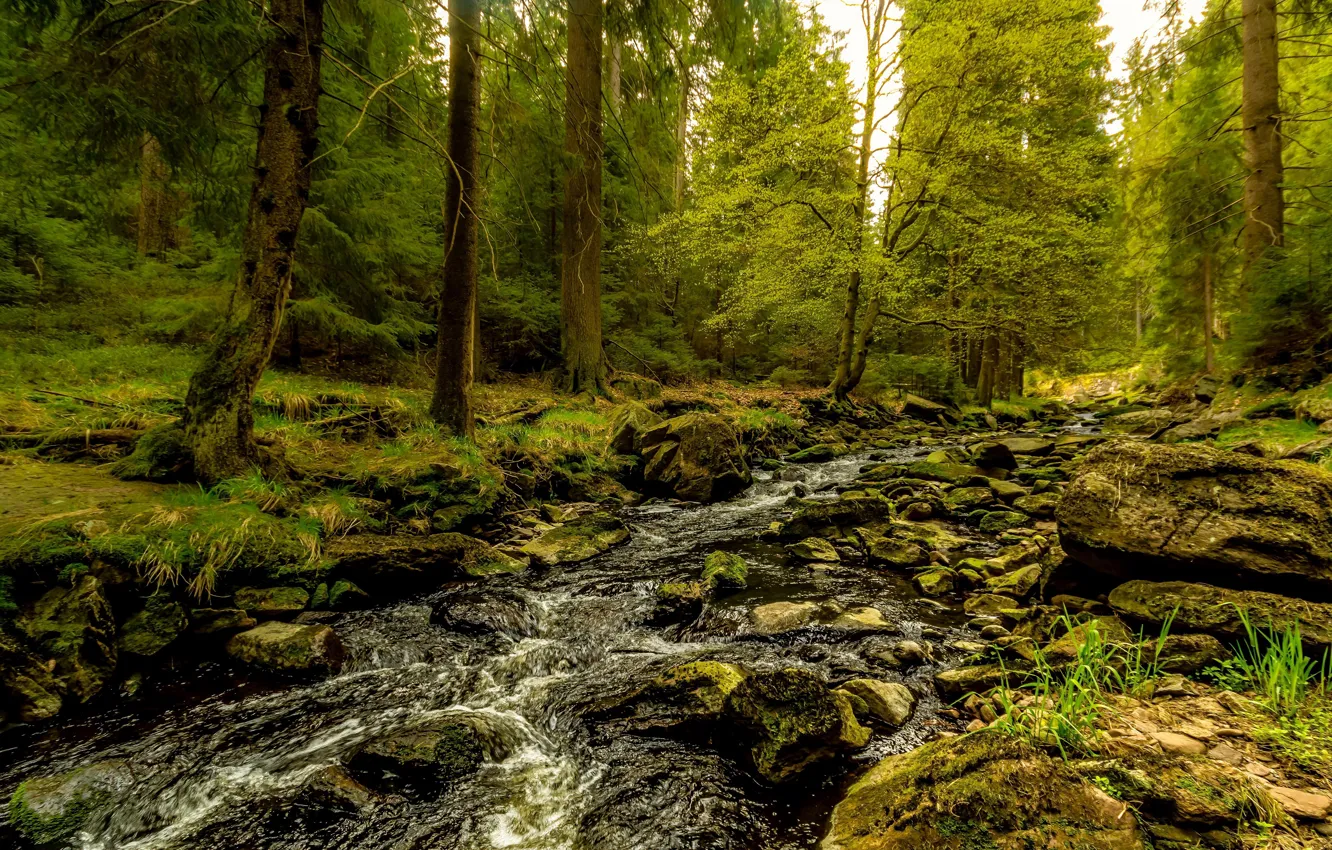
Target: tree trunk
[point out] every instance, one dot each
(866, 339)
(847, 375)
(219, 416)
(988, 362)
(1137, 313)
(975, 351)
(1261, 114)
(1003, 370)
(451, 405)
(155, 206)
(614, 85)
(1209, 315)
(580, 303)
(681, 137)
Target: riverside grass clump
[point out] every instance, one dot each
(1292, 706)
(1059, 702)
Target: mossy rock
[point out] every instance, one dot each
(814, 549)
(346, 596)
(629, 422)
(1041, 505)
(1020, 583)
(679, 601)
(289, 648)
(1218, 611)
(966, 499)
(725, 571)
(997, 522)
(391, 567)
(978, 679)
(983, 791)
(793, 721)
(836, 518)
(50, 809)
(264, 602)
(153, 628)
(892, 552)
(820, 453)
(419, 757)
(688, 698)
(577, 540)
(935, 582)
(1190, 512)
(75, 627)
(696, 457)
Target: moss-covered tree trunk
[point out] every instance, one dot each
(451, 406)
(219, 416)
(580, 275)
(1261, 115)
(156, 211)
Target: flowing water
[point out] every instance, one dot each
(201, 768)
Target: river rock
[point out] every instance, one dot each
(1194, 512)
(289, 648)
(344, 595)
(1138, 423)
(814, 549)
(678, 602)
(1019, 584)
(397, 566)
(891, 552)
(419, 756)
(697, 457)
(1208, 425)
(485, 611)
(577, 540)
(978, 791)
(964, 500)
(836, 518)
(1039, 505)
(890, 702)
(820, 453)
(724, 571)
(929, 411)
(936, 582)
(27, 686)
(793, 721)
(75, 627)
(49, 810)
(212, 621)
(1216, 610)
(1186, 654)
(1035, 446)
(629, 422)
(997, 522)
(691, 694)
(777, 617)
(993, 455)
(268, 602)
(153, 627)
(960, 681)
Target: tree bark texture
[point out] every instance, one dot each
(451, 405)
(988, 364)
(580, 276)
(157, 207)
(219, 417)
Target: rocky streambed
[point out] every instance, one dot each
(685, 675)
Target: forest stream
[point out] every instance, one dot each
(199, 768)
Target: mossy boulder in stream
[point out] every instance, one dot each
(420, 756)
(725, 571)
(577, 540)
(1138, 510)
(47, 810)
(267, 602)
(983, 791)
(687, 698)
(793, 721)
(696, 457)
(289, 648)
(397, 566)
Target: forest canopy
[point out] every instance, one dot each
(680, 190)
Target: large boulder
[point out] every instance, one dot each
(691, 695)
(1187, 511)
(629, 423)
(978, 791)
(1037, 446)
(930, 411)
(577, 540)
(74, 626)
(793, 721)
(289, 648)
(1218, 611)
(27, 686)
(696, 456)
(388, 567)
